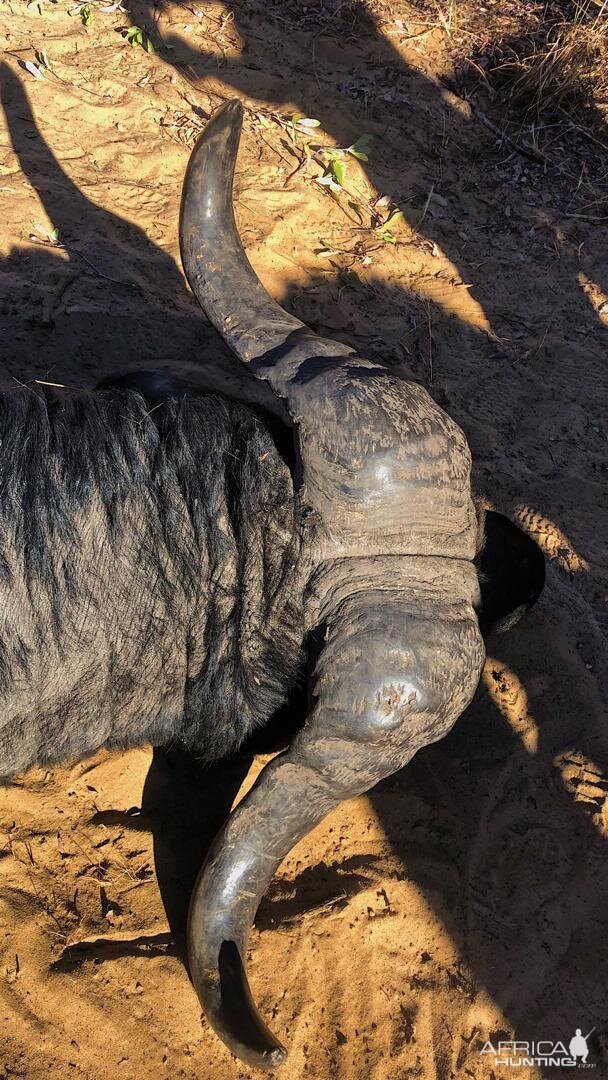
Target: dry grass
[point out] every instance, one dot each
(561, 67)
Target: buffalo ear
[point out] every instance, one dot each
(511, 572)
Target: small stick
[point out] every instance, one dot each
(430, 330)
(99, 273)
(521, 148)
(584, 131)
(426, 205)
(327, 906)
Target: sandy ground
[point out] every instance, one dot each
(465, 899)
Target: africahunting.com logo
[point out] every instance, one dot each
(519, 1053)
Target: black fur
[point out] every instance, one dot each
(152, 556)
(152, 572)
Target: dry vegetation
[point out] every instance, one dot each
(541, 67)
(561, 67)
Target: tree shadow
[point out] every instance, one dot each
(427, 141)
(104, 298)
(346, 72)
(531, 936)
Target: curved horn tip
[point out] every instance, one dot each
(270, 1059)
(233, 1014)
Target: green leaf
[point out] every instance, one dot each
(47, 234)
(43, 59)
(349, 277)
(86, 14)
(395, 215)
(383, 234)
(384, 230)
(135, 36)
(338, 171)
(360, 148)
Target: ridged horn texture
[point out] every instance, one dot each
(387, 679)
(387, 473)
(272, 343)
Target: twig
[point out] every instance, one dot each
(25, 386)
(520, 147)
(515, 144)
(327, 906)
(82, 89)
(409, 37)
(584, 131)
(587, 217)
(426, 205)
(66, 82)
(539, 347)
(99, 273)
(478, 69)
(294, 172)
